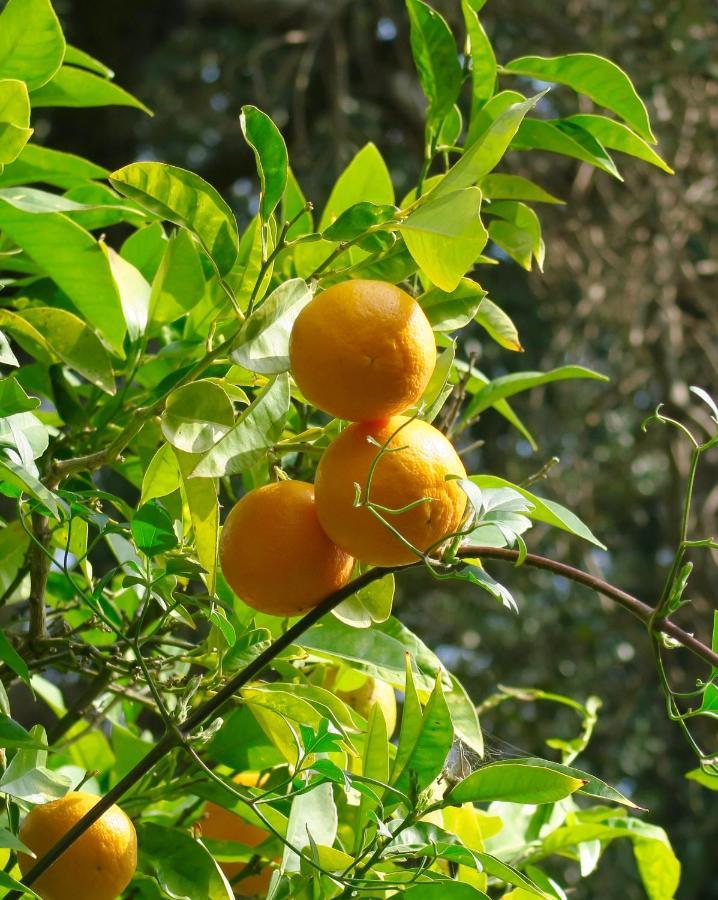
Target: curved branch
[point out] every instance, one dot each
(214, 705)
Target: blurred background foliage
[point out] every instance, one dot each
(629, 288)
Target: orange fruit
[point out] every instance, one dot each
(275, 554)
(417, 467)
(98, 866)
(370, 693)
(220, 824)
(362, 350)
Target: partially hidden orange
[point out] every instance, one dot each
(97, 866)
(220, 824)
(416, 467)
(362, 350)
(275, 554)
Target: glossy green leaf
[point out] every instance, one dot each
(436, 57)
(617, 136)
(412, 717)
(31, 42)
(162, 475)
(357, 219)
(74, 343)
(256, 429)
(7, 357)
(544, 510)
(203, 503)
(366, 178)
(369, 604)
(444, 887)
(75, 87)
(595, 77)
(196, 416)
(514, 783)
(593, 787)
(445, 235)
(486, 152)
(15, 128)
(152, 529)
(426, 757)
(483, 61)
(13, 398)
(313, 817)
(453, 310)
(178, 284)
(76, 57)
(514, 187)
(19, 477)
(508, 385)
(41, 164)
(498, 325)
(566, 138)
(186, 199)
(263, 344)
(14, 736)
(375, 764)
(56, 243)
(7, 881)
(11, 658)
(270, 153)
(517, 231)
(439, 387)
(182, 866)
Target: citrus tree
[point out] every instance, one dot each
(233, 687)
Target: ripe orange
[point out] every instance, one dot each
(417, 470)
(274, 553)
(220, 824)
(98, 866)
(362, 350)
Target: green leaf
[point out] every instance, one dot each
(375, 764)
(263, 344)
(182, 866)
(412, 717)
(203, 504)
(7, 357)
(514, 187)
(152, 529)
(255, 431)
(75, 343)
(617, 136)
(26, 481)
(12, 842)
(486, 152)
(55, 244)
(508, 385)
(134, 292)
(366, 178)
(15, 128)
(544, 510)
(313, 818)
(196, 416)
(13, 398)
(79, 88)
(10, 883)
(659, 868)
(40, 164)
(566, 138)
(439, 387)
(10, 656)
(483, 61)
(512, 782)
(369, 604)
(597, 78)
(426, 757)
(445, 235)
(14, 737)
(445, 887)
(76, 57)
(436, 58)
(593, 787)
(31, 42)
(357, 219)
(498, 325)
(453, 310)
(178, 283)
(186, 199)
(162, 476)
(517, 232)
(270, 153)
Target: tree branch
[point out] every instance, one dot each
(214, 705)
(39, 570)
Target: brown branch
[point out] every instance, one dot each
(214, 705)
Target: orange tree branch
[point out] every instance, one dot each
(214, 704)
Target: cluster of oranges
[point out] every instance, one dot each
(361, 351)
